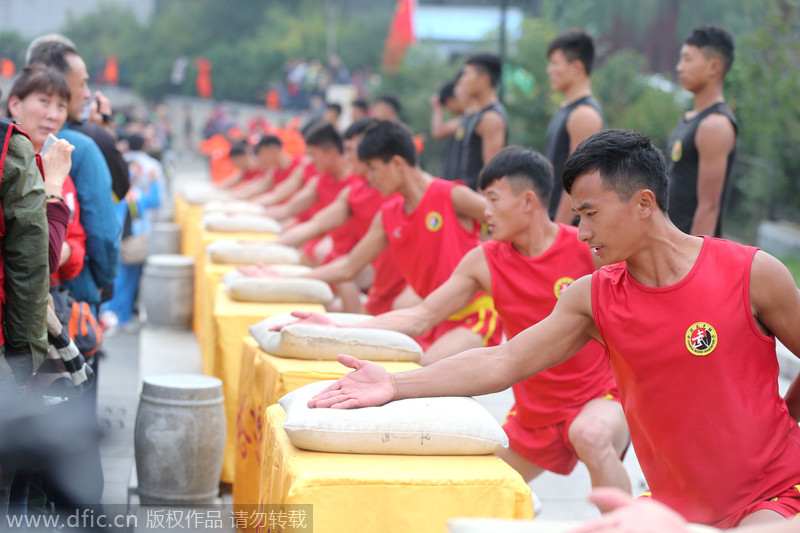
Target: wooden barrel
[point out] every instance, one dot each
(168, 290)
(164, 238)
(179, 439)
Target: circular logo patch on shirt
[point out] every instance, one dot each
(677, 151)
(434, 221)
(561, 285)
(701, 338)
(459, 134)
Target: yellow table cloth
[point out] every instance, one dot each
(190, 230)
(264, 378)
(205, 295)
(201, 261)
(386, 493)
(231, 320)
(179, 207)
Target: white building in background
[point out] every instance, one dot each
(31, 18)
(457, 29)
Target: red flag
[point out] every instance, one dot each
(7, 68)
(111, 72)
(401, 34)
(203, 80)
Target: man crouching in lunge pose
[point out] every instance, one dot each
(570, 411)
(429, 225)
(690, 326)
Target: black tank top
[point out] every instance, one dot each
(558, 144)
(683, 162)
(470, 152)
(452, 156)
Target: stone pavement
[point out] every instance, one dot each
(150, 351)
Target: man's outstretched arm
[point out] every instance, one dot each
(363, 253)
(449, 298)
(478, 371)
(326, 219)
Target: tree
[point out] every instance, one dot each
(12, 46)
(109, 29)
(762, 90)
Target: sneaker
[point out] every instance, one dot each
(537, 504)
(108, 320)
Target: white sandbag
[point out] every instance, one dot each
(280, 290)
(325, 343)
(286, 271)
(251, 253)
(199, 193)
(234, 206)
(227, 223)
(418, 426)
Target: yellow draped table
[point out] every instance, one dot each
(205, 293)
(264, 378)
(179, 208)
(201, 262)
(231, 320)
(191, 217)
(386, 493)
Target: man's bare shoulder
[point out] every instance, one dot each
(585, 112)
(578, 295)
(491, 120)
(584, 119)
(718, 129)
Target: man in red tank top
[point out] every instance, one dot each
(428, 227)
(286, 175)
(353, 210)
(272, 166)
(690, 326)
(572, 410)
(325, 147)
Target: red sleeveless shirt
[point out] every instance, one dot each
(699, 385)
(364, 203)
(525, 290)
(429, 242)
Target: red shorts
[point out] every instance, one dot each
(308, 249)
(381, 301)
(479, 316)
(548, 447)
(786, 504)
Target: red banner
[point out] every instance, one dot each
(401, 34)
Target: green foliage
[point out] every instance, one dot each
(762, 90)
(655, 112)
(630, 102)
(361, 39)
(12, 46)
(248, 46)
(420, 75)
(600, 18)
(111, 29)
(617, 83)
(792, 263)
(530, 110)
